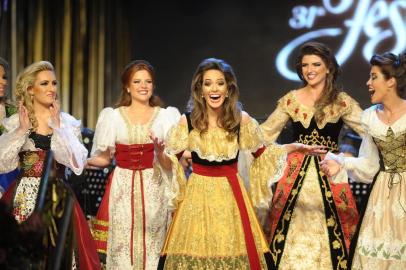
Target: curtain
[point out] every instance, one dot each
(80, 38)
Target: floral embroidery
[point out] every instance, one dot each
(333, 112)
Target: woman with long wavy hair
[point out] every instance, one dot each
(312, 217)
(215, 226)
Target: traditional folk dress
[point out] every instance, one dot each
(29, 152)
(381, 242)
(312, 218)
(133, 217)
(215, 226)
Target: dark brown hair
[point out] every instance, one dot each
(331, 89)
(392, 66)
(230, 116)
(129, 70)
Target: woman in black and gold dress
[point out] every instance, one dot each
(313, 218)
(215, 226)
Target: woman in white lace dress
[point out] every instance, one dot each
(133, 217)
(381, 242)
(39, 127)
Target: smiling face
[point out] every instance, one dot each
(141, 86)
(378, 86)
(314, 70)
(3, 82)
(44, 89)
(214, 88)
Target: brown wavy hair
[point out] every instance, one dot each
(231, 109)
(129, 70)
(392, 66)
(331, 89)
(25, 81)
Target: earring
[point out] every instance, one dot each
(128, 90)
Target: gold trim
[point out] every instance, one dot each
(130, 126)
(101, 251)
(315, 139)
(99, 235)
(100, 222)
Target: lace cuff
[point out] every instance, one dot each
(175, 183)
(342, 175)
(265, 170)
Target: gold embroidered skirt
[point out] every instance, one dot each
(207, 231)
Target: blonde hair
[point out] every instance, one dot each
(25, 81)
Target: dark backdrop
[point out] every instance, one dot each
(175, 36)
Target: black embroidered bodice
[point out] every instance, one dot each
(313, 135)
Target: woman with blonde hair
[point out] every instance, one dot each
(40, 127)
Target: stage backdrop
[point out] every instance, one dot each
(91, 41)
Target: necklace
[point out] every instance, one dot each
(390, 119)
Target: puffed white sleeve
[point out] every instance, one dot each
(168, 118)
(105, 133)
(66, 143)
(11, 143)
(364, 167)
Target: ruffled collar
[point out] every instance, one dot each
(304, 114)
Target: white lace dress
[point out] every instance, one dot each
(65, 144)
(382, 238)
(148, 216)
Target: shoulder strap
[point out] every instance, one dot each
(189, 122)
